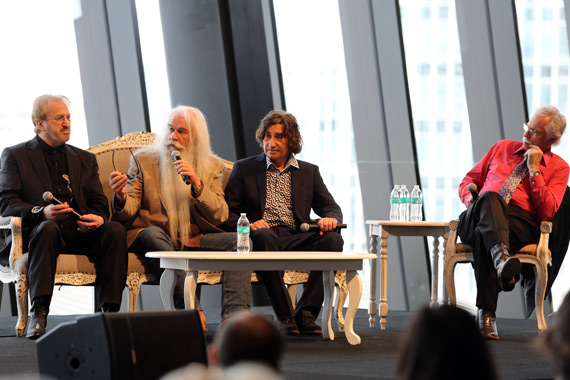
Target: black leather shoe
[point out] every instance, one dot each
(37, 322)
(507, 267)
(487, 324)
(307, 325)
(288, 326)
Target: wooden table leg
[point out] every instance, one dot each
(435, 272)
(354, 283)
(328, 284)
(373, 304)
(384, 280)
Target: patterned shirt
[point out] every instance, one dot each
(278, 206)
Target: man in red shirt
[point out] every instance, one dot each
(521, 184)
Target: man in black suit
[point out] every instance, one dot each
(277, 192)
(47, 163)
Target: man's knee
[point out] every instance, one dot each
(264, 239)
(154, 239)
(48, 228)
(331, 241)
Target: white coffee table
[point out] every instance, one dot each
(328, 262)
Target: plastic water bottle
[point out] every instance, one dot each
(243, 234)
(404, 204)
(395, 204)
(416, 204)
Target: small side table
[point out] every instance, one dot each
(385, 229)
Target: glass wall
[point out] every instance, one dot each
(316, 92)
(544, 46)
(439, 111)
(39, 56)
(154, 63)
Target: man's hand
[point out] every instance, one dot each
(259, 224)
(89, 222)
(184, 168)
(470, 199)
(533, 157)
(57, 212)
(327, 224)
(117, 182)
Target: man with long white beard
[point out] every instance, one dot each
(171, 205)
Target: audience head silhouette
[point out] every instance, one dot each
(247, 338)
(444, 343)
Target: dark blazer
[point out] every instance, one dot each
(24, 177)
(246, 192)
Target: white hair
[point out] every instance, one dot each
(175, 193)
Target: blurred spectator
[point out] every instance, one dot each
(557, 338)
(444, 343)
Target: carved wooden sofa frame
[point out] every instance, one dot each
(78, 270)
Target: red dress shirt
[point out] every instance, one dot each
(540, 195)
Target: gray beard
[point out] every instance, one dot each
(177, 197)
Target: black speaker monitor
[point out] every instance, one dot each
(144, 345)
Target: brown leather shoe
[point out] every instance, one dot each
(487, 324)
(38, 321)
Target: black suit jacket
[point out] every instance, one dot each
(24, 177)
(246, 191)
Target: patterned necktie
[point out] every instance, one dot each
(513, 181)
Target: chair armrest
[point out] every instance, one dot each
(14, 224)
(452, 239)
(542, 251)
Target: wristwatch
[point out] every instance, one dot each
(536, 172)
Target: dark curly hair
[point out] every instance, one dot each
(290, 129)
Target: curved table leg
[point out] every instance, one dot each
(354, 283)
(328, 283)
(190, 289)
(167, 283)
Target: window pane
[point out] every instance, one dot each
(316, 92)
(154, 62)
(438, 101)
(546, 79)
(40, 57)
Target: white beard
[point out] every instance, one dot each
(177, 197)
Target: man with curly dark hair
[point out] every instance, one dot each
(277, 192)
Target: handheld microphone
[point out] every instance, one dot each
(473, 190)
(48, 197)
(313, 227)
(176, 157)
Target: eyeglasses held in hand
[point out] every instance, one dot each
(129, 176)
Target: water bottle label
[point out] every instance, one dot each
(243, 230)
(404, 200)
(395, 200)
(417, 201)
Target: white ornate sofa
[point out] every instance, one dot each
(79, 270)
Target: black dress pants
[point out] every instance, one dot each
(284, 239)
(487, 222)
(107, 244)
